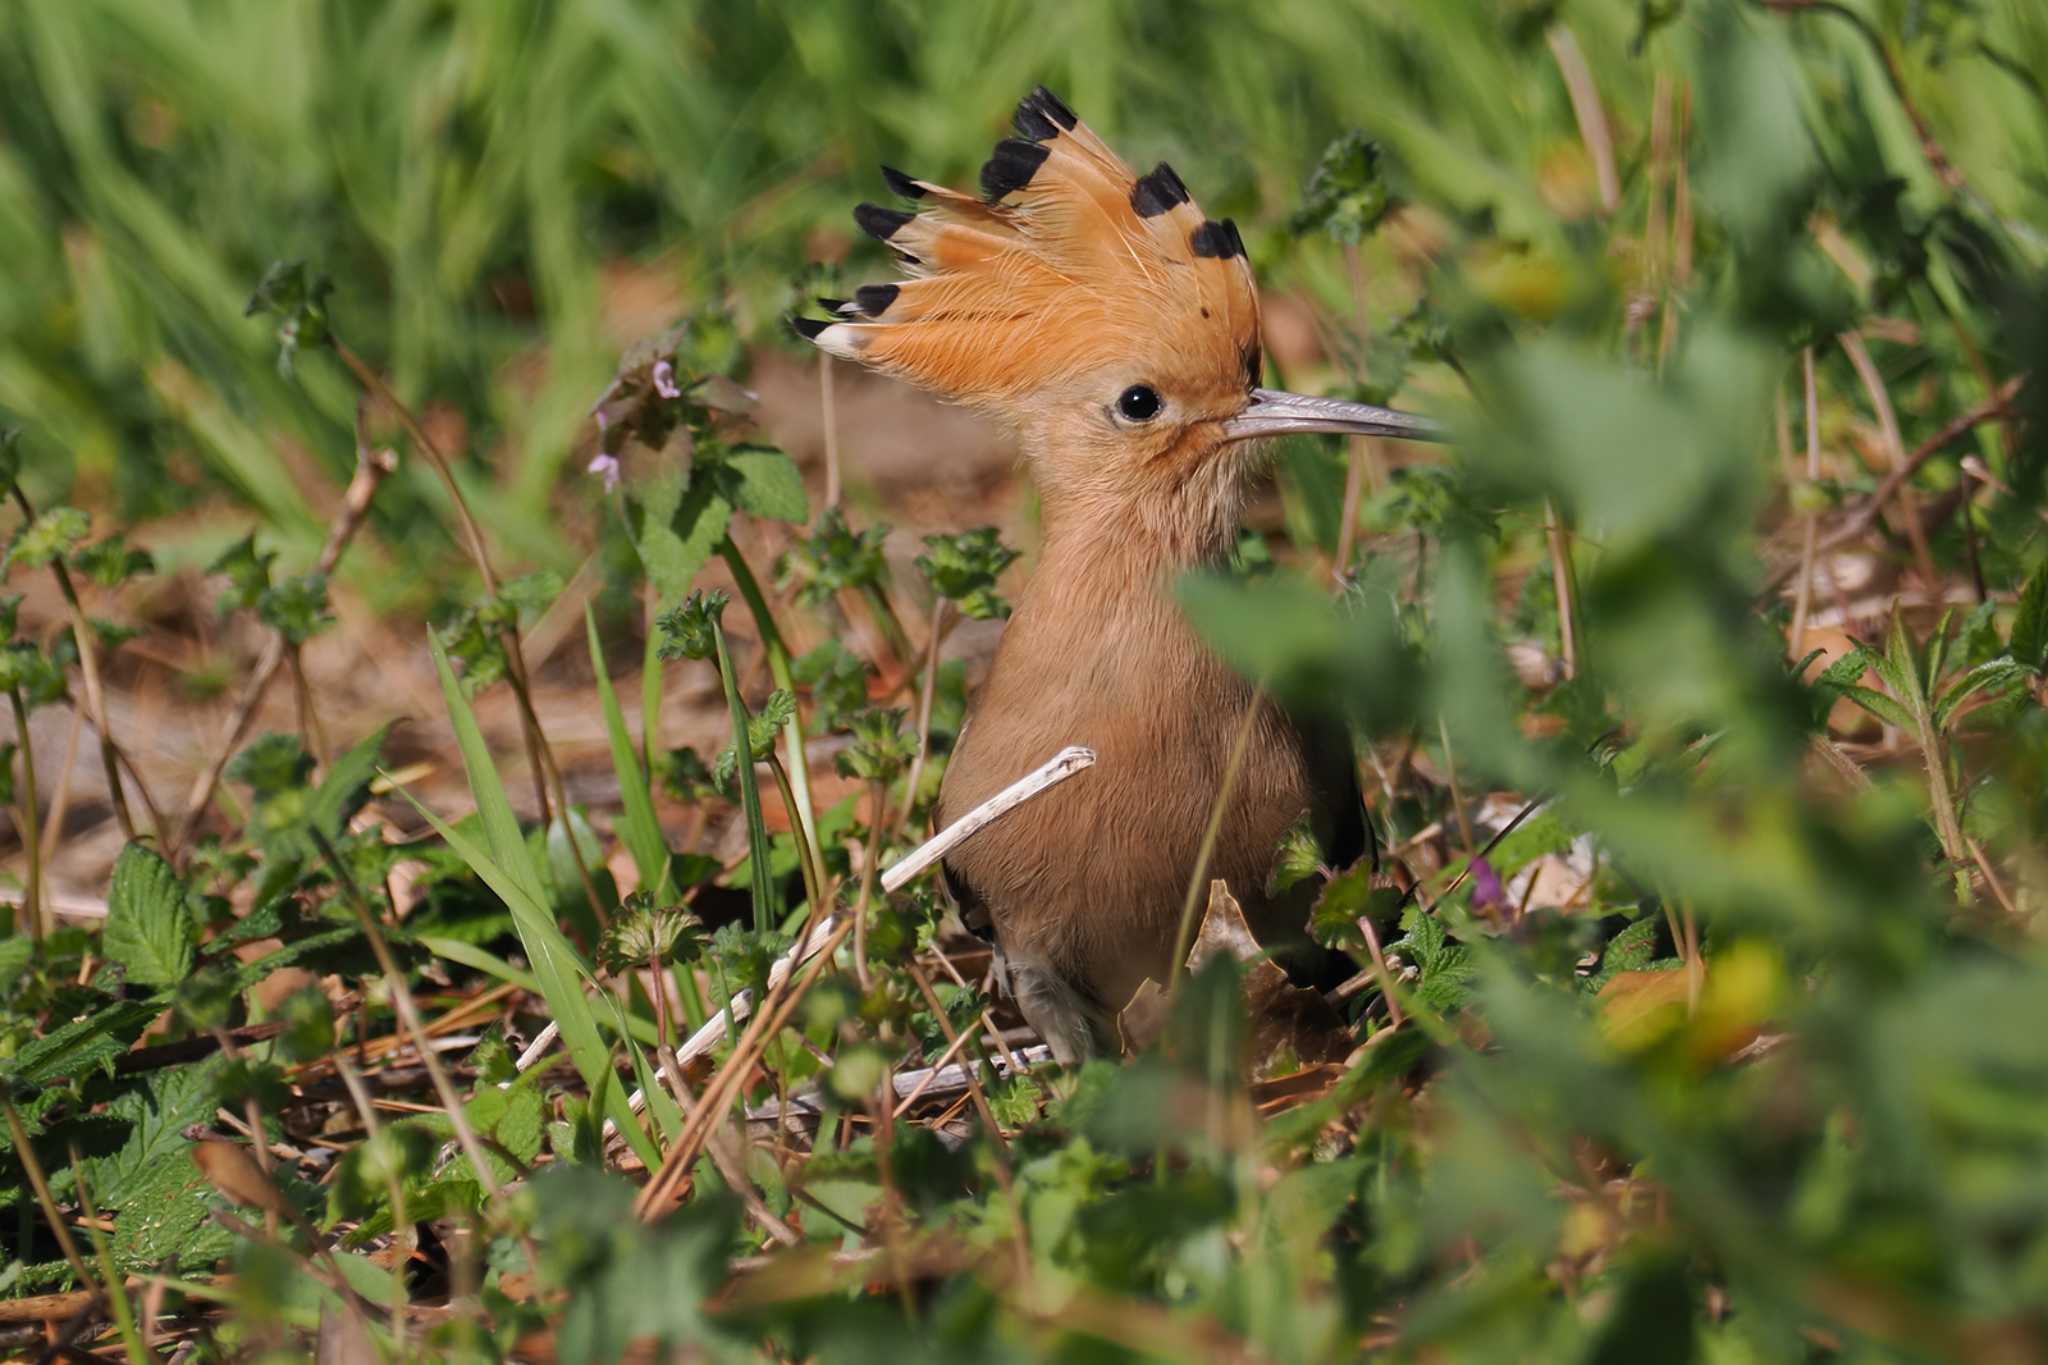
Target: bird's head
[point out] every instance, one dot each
(1099, 312)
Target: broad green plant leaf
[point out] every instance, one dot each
(149, 923)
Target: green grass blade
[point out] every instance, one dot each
(641, 831)
(479, 960)
(760, 881)
(650, 701)
(508, 869)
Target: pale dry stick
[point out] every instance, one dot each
(725, 1084)
(1809, 535)
(1997, 405)
(1592, 119)
(935, 1081)
(60, 800)
(899, 874)
(1894, 447)
(372, 467)
(774, 1011)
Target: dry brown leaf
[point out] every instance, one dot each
(1288, 1022)
(1140, 1022)
(231, 1170)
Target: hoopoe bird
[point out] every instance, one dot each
(1116, 330)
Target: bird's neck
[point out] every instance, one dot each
(1125, 538)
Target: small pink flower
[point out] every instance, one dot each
(1487, 892)
(665, 380)
(605, 467)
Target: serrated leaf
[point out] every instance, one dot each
(1997, 674)
(1899, 666)
(1300, 856)
(1628, 951)
(766, 482)
(2030, 622)
(1883, 707)
(149, 922)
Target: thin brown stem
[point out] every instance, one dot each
(1864, 512)
(1592, 119)
(1802, 602)
(829, 418)
(32, 845)
(924, 710)
(409, 1014)
(1198, 881)
(372, 467)
(95, 697)
(1561, 585)
(1894, 449)
(33, 1169)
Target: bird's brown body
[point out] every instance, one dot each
(1087, 885)
(1117, 329)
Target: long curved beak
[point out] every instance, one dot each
(1274, 413)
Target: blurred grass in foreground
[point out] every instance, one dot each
(1701, 1007)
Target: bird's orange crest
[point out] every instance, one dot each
(1068, 269)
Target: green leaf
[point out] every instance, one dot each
(508, 869)
(111, 562)
(766, 897)
(688, 629)
(1883, 707)
(1300, 857)
(49, 537)
(641, 829)
(1999, 675)
(248, 573)
(1899, 666)
(296, 608)
(834, 558)
(677, 531)
(963, 568)
(345, 788)
(1347, 195)
(765, 481)
(271, 765)
(2030, 622)
(149, 922)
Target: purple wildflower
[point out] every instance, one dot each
(665, 380)
(1487, 892)
(605, 467)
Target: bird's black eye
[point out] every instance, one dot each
(1138, 403)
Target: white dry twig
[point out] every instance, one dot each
(899, 874)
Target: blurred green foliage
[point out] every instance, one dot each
(1770, 1089)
